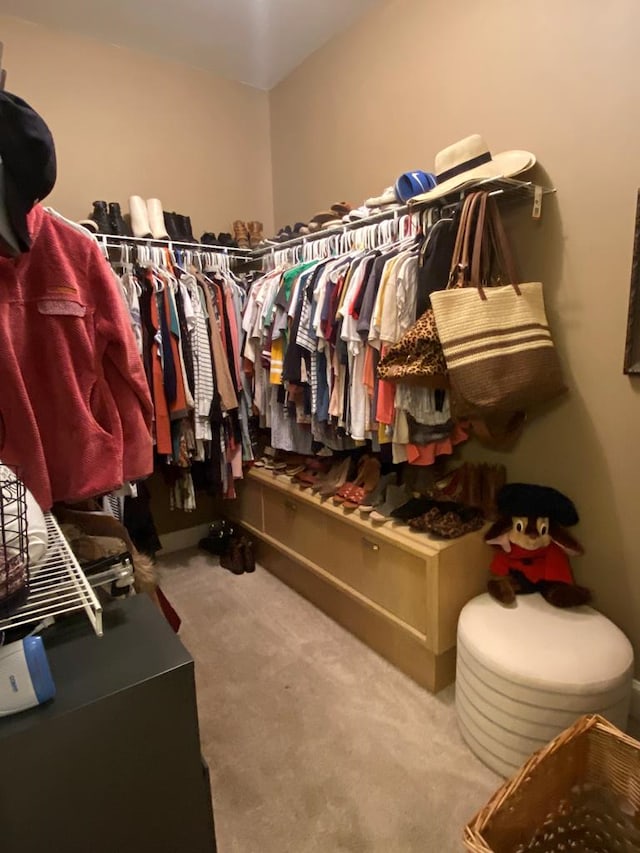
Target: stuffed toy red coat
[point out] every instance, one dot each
(534, 546)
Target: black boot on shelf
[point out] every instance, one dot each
(209, 239)
(184, 228)
(225, 239)
(171, 224)
(116, 220)
(233, 560)
(100, 216)
(188, 231)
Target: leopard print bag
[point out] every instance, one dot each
(417, 358)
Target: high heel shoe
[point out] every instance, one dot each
(370, 484)
(337, 496)
(370, 476)
(312, 469)
(335, 478)
(376, 497)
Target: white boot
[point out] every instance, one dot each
(139, 217)
(156, 219)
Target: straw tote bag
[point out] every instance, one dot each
(417, 358)
(496, 341)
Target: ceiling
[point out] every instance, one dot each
(254, 41)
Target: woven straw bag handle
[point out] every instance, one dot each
(481, 257)
(457, 248)
(460, 260)
(502, 246)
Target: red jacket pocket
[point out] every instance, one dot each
(61, 307)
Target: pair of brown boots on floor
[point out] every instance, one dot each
(475, 486)
(240, 557)
(248, 235)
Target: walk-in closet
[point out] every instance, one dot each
(318, 404)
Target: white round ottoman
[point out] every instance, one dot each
(526, 673)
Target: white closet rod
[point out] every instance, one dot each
(105, 240)
(500, 186)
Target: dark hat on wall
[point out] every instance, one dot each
(525, 499)
(28, 162)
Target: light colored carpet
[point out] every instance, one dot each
(315, 744)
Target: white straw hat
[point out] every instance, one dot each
(470, 160)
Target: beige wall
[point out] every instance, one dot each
(129, 124)
(126, 123)
(561, 79)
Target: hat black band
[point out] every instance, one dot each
(464, 167)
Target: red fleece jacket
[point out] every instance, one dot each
(75, 409)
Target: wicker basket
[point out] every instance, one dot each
(579, 793)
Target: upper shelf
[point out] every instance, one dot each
(508, 187)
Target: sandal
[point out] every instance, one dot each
(309, 476)
(371, 478)
(343, 492)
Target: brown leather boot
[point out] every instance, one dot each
(256, 235)
(493, 479)
(248, 557)
(472, 486)
(241, 234)
(233, 560)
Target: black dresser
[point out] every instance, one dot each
(113, 764)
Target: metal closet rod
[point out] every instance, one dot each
(151, 241)
(501, 186)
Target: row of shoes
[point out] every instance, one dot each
(235, 550)
(148, 220)
(339, 213)
(459, 503)
(248, 235)
(407, 186)
(240, 558)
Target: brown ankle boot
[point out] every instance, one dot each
(248, 557)
(493, 479)
(256, 235)
(470, 488)
(233, 560)
(241, 234)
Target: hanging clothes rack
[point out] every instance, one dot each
(114, 241)
(509, 187)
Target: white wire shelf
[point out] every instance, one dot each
(510, 188)
(57, 585)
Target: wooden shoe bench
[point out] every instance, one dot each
(399, 591)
